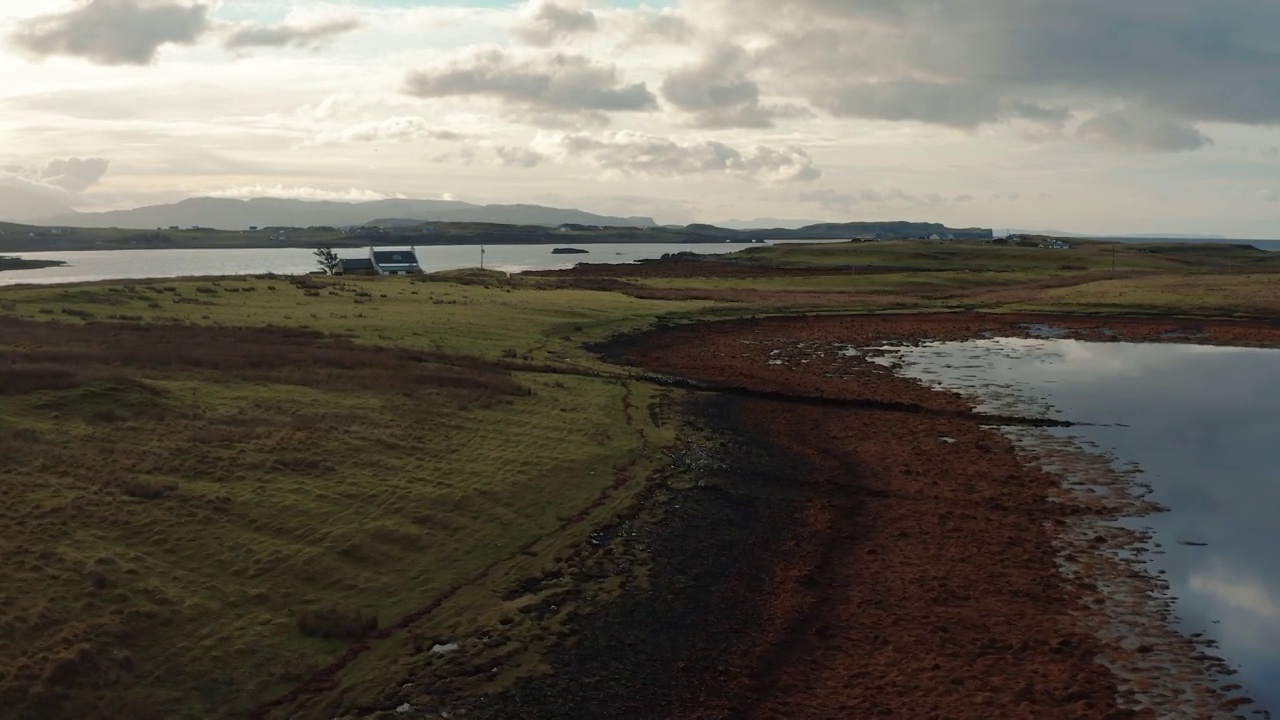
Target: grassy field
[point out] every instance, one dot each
(210, 494)
(213, 488)
(1182, 278)
(1083, 256)
(491, 321)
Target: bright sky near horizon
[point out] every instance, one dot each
(1120, 116)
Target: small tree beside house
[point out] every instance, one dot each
(327, 259)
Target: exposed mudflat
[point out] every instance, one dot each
(883, 552)
(930, 551)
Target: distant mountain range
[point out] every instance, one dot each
(768, 224)
(230, 214)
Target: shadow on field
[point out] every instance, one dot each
(59, 356)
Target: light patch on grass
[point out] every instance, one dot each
(1234, 294)
(468, 319)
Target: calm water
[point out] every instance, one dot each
(133, 264)
(1203, 423)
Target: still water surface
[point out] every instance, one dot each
(136, 264)
(1203, 423)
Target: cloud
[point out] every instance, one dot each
(718, 94)
(1142, 131)
(634, 153)
(829, 199)
(1271, 195)
(980, 62)
(298, 192)
(551, 23)
(550, 85)
(518, 157)
(289, 35)
(647, 26)
(73, 174)
(40, 191)
(60, 177)
(113, 32)
(395, 129)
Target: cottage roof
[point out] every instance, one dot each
(395, 257)
(356, 264)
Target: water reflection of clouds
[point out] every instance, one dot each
(1248, 605)
(1202, 423)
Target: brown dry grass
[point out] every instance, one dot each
(194, 519)
(46, 356)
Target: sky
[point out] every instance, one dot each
(1096, 116)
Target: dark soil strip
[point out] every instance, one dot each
(692, 634)
(851, 403)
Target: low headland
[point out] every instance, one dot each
(26, 238)
(17, 263)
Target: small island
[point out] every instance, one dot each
(569, 251)
(17, 263)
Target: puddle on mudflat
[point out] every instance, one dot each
(1202, 423)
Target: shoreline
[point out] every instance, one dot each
(903, 612)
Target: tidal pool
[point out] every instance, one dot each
(1203, 425)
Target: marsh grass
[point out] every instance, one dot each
(195, 518)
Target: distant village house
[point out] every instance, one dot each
(382, 261)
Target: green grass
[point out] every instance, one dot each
(1083, 256)
(198, 516)
(185, 501)
(1221, 294)
(485, 321)
(280, 499)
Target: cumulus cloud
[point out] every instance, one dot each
(658, 26)
(289, 35)
(1142, 131)
(634, 153)
(114, 32)
(39, 191)
(717, 92)
(395, 129)
(550, 85)
(73, 174)
(518, 157)
(298, 192)
(550, 22)
(986, 61)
